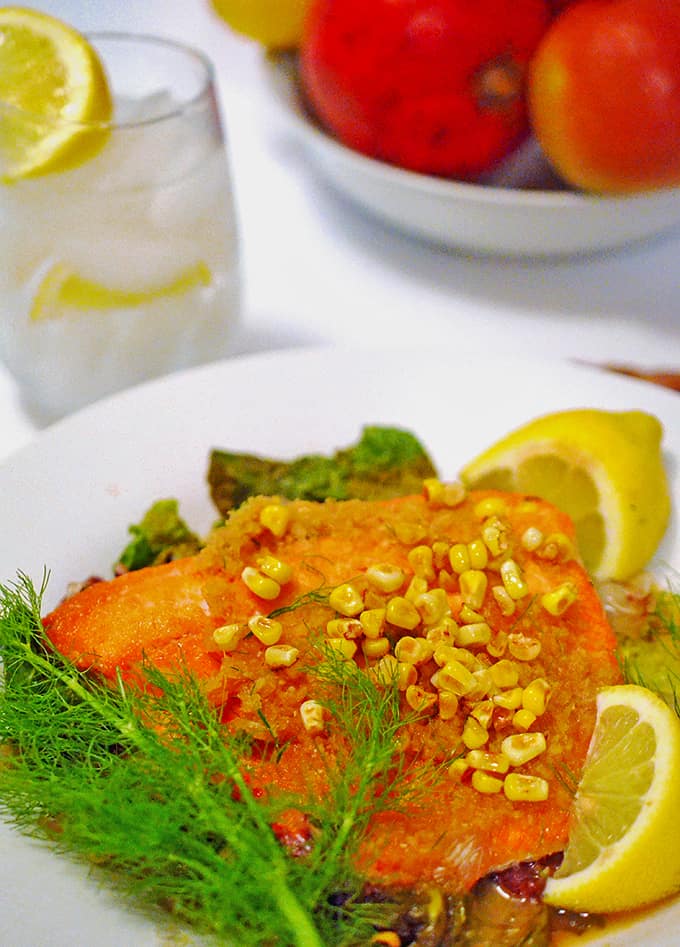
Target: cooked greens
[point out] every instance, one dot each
(161, 535)
(386, 462)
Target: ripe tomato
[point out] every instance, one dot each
(435, 86)
(604, 94)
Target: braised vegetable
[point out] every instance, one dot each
(160, 536)
(386, 462)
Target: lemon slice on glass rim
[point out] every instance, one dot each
(604, 468)
(623, 849)
(54, 96)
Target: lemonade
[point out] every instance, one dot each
(124, 265)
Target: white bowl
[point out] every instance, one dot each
(535, 217)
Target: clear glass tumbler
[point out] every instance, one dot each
(124, 267)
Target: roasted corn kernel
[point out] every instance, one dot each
(419, 699)
(473, 635)
(275, 518)
(346, 599)
(519, 787)
(280, 655)
(474, 734)
(491, 762)
(523, 647)
(259, 584)
(520, 748)
(402, 614)
(228, 637)
(513, 580)
(266, 630)
(413, 650)
(473, 585)
(490, 506)
(373, 622)
(274, 568)
(535, 696)
(558, 600)
(485, 783)
(459, 557)
(420, 558)
(312, 714)
(385, 577)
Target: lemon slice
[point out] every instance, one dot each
(623, 849)
(605, 469)
(62, 290)
(51, 82)
(276, 24)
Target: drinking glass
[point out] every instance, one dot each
(125, 266)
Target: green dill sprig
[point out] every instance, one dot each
(148, 785)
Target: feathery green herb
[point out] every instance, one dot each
(149, 786)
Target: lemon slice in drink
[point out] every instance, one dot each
(62, 290)
(52, 88)
(604, 468)
(276, 24)
(623, 849)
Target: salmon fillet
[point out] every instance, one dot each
(457, 834)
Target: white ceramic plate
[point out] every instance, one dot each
(69, 496)
(528, 221)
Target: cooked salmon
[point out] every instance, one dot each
(475, 606)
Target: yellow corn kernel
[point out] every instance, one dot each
(523, 719)
(409, 533)
(433, 606)
(474, 734)
(228, 637)
(266, 630)
(484, 685)
(535, 696)
(419, 699)
(416, 587)
(386, 671)
(557, 546)
(482, 711)
(513, 580)
(491, 762)
(280, 655)
(346, 599)
(454, 494)
(447, 580)
(433, 490)
(420, 559)
(498, 645)
(474, 635)
(386, 939)
(558, 600)
(467, 615)
(523, 647)
(373, 622)
(448, 705)
(459, 558)
(343, 647)
(519, 787)
(458, 768)
(478, 554)
(505, 601)
(520, 748)
(495, 535)
(444, 632)
(440, 554)
(413, 650)
(274, 568)
(443, 653)
(344, 628)
(491, 506)
(473, 585)
(510, 699)
(375, 647)
(402, 614)
(312, 714)
(454, 677)
(406, 675)
(504, 673)
(532, 537)
(485, 783)
(275, 518)
(385, 577)
(259, 584)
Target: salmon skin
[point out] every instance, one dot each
(490, 583)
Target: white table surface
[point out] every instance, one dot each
(319, 271)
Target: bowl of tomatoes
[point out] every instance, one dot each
(511, 127)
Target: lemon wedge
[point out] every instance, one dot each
(62, 290)
(623, 849)
(276, 24)
(52, 88)
(604, 468)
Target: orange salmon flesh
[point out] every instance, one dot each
(456, 833)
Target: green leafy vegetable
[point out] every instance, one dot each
(386, 462)
(161, 535)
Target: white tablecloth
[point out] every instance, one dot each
(318, 270)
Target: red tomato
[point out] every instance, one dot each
(604, 94)
(435, 86)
